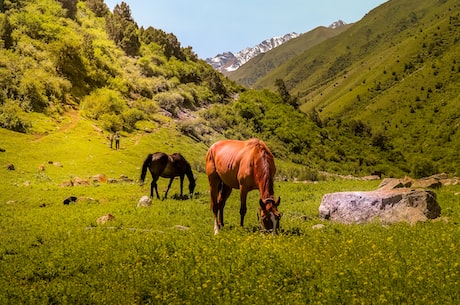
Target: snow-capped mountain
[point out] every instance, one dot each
(227, 61)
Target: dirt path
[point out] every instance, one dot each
(74, 116)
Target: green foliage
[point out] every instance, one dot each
(123, 30)
(103, 101)
(11, 117)
(98, 7)
(57, 53)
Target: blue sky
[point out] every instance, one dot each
(211, 27)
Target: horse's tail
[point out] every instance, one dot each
(145, 166)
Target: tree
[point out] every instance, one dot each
(98, 7)
(284, 93)
(123, 30)
(71, 8)
(5, 31)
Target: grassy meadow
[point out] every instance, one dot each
(51, 253)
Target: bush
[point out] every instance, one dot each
(170, 101)
(147, 106)
(423, 168)
(10, 117)
(131, 117)
(111, 122)
(103, 101)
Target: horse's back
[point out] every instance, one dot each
(159, 156)
(176, 165)
(231, 160)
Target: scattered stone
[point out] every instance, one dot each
(432, 182)
(41, 167)
(84, 199)
(10, 167)
(427, 183)
(80, 182)
(450, 181)
(70, 199)
(100, 178)
(318, 226)
(124, 178)
(104, 219)
(67, 183)
(144, 202)
(393, 183)
(371, 178)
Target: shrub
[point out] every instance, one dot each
(131, 117)
(147, 106)
(10, 117)
(111, 122)
(103, 101)
(170, 101)
(423, 168)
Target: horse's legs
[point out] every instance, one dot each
(181, 184)
(169, 186)
(214, 182)
(154, 185)
(223, 196)
(243, 207)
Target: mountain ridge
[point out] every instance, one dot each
(228, 62)
(262, 64)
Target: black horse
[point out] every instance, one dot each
(167, 166)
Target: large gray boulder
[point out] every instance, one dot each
(389, 205)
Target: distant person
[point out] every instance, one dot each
(117, 140)
(112, 137)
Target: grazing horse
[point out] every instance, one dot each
(167, 166)
(244, 165)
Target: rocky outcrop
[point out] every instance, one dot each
(395, 200)
(388, 206)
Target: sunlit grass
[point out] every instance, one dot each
(167, 253)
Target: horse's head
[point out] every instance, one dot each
(269, 214)
(191, 186)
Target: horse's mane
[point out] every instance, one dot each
(177, 157)
(264, 165)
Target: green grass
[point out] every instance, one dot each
(51, 253)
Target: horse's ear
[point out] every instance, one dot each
(277, 203)
(262, 205)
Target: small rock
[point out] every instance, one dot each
(145, 201)
(318, 226)
(105, 218)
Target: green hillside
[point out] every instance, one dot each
(394, 76)
(373, 97)
(259, 66)
(61, 55)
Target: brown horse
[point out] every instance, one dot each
(244, 165)
(167, 166)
